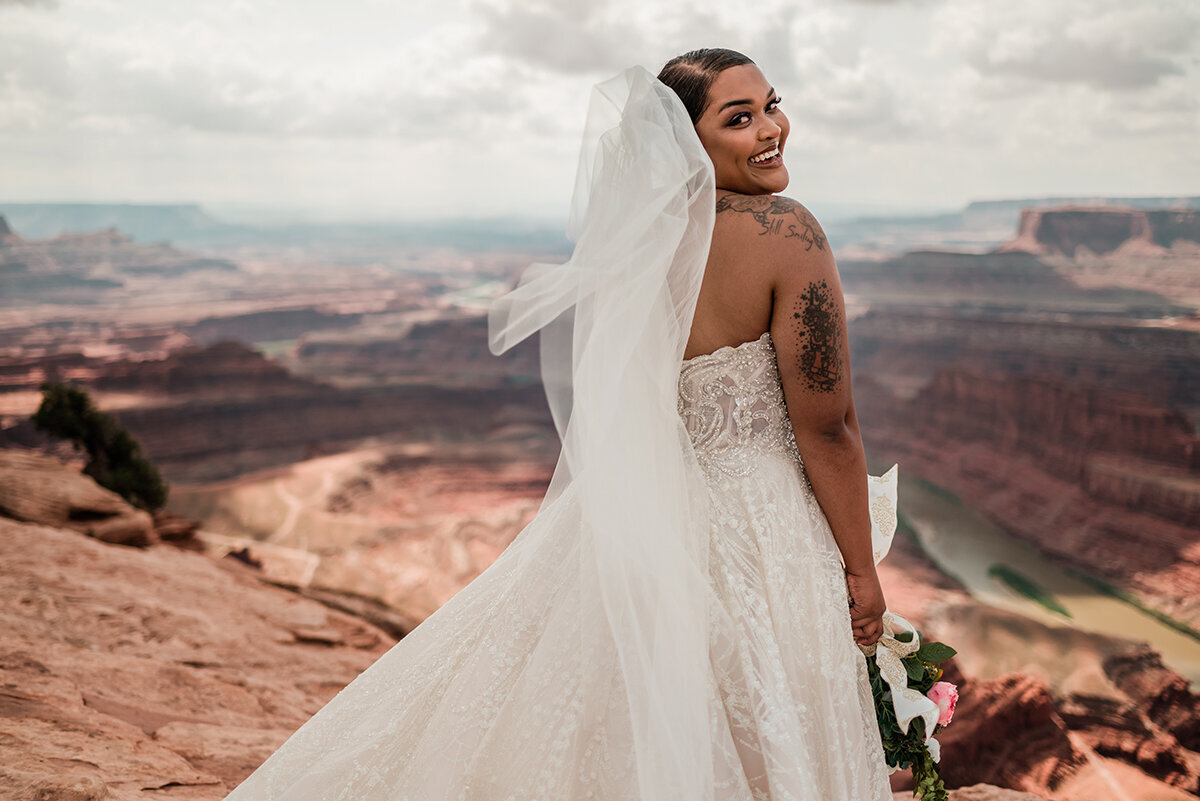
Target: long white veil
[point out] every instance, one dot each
(615, 320)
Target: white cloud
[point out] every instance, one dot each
(147, 80)
(445, 105)
(571, 38)
(1109, 45)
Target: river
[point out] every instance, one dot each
(966, 545)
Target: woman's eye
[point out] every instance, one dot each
(774, 104)
(739, 118)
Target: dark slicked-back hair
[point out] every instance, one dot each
(692, 74)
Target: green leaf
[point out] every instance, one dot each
(935, 652)
(914, 668)
(904, 636)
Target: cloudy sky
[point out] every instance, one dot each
(388, 109)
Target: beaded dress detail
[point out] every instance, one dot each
(792, 682)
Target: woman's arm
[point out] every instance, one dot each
(808, 328)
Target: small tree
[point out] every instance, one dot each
(115, 459)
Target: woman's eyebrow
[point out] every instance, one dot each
(770, 94)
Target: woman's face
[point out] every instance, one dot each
(744, 131)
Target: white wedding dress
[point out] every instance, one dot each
(673, 625)
(792, 681)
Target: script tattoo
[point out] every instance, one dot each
(778, 216)
(819, 334)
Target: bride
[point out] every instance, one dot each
(679, 621)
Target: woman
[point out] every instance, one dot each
(674, 624)
(770, 269)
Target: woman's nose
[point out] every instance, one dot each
(769, 130)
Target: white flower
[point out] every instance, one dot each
(935, 749)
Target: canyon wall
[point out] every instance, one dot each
(1076, 230)
(1102, 483)
(441, 349)
(906, 345)
(210, 439)
(1049, 404)
(226, 368)
(1054, 385)
(212, 413)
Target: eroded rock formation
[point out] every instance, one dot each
(442, 349)
(203, 413)
(39, 489)
(905, 348)
(1067, 415)
(1006, 732)
(226, 368)
(1101, 481)
(1074, 230)
(1012, 731)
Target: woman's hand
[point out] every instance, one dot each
(866, 605)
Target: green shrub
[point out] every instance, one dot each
(115, 459)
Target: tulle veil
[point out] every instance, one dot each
(615, 320)
(576, 666)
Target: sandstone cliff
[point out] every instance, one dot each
(226, 368)
(1100, 481)
(1098, 230)
(906, 348)
(215, 412)
(37, 489)
(86, 267)
(442, 350)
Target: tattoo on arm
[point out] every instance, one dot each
(778, 216)
(819, 336)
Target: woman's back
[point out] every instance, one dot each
(754, 238)
(735, 297)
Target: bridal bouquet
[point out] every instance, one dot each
(911, 703)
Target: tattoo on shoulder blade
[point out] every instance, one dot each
(778, 216)
(819, 336)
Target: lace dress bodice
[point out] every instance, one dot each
(731, 402)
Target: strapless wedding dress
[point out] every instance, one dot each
(492, 698)
(792, 681)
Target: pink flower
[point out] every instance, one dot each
(945, 695)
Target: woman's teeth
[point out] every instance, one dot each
(770, 154)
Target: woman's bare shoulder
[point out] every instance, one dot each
(768, 220)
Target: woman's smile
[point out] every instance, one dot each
(768, 159)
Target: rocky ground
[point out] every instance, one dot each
(405, 523)
(128, 670)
